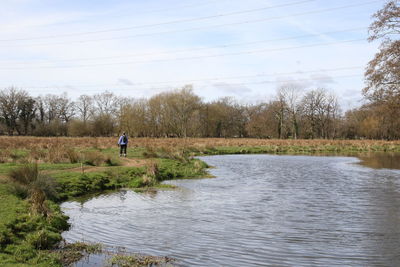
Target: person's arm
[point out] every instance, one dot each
(120, 140)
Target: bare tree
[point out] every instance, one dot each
(383, 72)
(10, 107)
(290, 95)
(84, 106)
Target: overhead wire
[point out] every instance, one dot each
(212, 79)
(161, 23)
(166, 87)
(189, 49)
(188, 29)
(190, 58)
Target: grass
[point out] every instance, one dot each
(138, 260)
(85, 166)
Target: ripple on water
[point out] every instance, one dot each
(264, 210)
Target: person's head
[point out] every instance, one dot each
(123, 133)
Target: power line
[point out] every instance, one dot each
(161, 23)
(191, 29)
(260, 75)
(230, 84)
(189, 58)
(189, 49)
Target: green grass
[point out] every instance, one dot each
(25, 239)
(22, 234)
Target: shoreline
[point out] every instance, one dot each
(170, 165)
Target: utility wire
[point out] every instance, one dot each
(189, 29)
(161, 23)
(230, 84)
(260, 75)
(189, 58)
(188, 49)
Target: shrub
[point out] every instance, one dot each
(22, 252)
(148, 180)
(59, 221)
(110, 161)
(152, 170)
(27, 182)
(25, 174)
(43, 239)
(55, 154)
(72, 155)
(150, 152)
(93, 158)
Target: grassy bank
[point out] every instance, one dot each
(28, 238)
(78, 167)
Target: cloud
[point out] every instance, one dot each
(28, 18)
(237, 89)
(322, 78)
(125, 81)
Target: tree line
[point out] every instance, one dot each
(292, 113)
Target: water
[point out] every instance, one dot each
(261, 210)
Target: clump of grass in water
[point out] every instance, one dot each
(138, 260)
(27, 182)
(71, 253)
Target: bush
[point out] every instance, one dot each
(27, 182)
(24, 175)
(72, 155)
(109, 161)
(43, 239)
(93, 158)
(5, 237)
(59, 221)
(148, 180)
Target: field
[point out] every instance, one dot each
(36, 174)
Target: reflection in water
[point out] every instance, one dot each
(264, 210)
(384, 160)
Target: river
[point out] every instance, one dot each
(260, 210)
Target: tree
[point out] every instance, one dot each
(27, 114)
(84, 106)
(321, 113)
(10, 107)
(289, 95)
(383, 72)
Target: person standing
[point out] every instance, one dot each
(123, 144)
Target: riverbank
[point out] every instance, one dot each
(28, 238)
(83, 166)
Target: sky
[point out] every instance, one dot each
(243, 49)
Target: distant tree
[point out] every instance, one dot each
(290, 96)
(10, 107)
(383, 72)
(321, 114)
(106, 103)
(27, 114)
(84, 107)
(180, 107)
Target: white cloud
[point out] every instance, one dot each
(20, 19)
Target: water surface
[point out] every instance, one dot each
(260, 210)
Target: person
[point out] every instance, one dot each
(123, 143)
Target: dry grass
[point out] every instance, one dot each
(59, 145)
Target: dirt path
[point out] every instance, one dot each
(125, 162)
